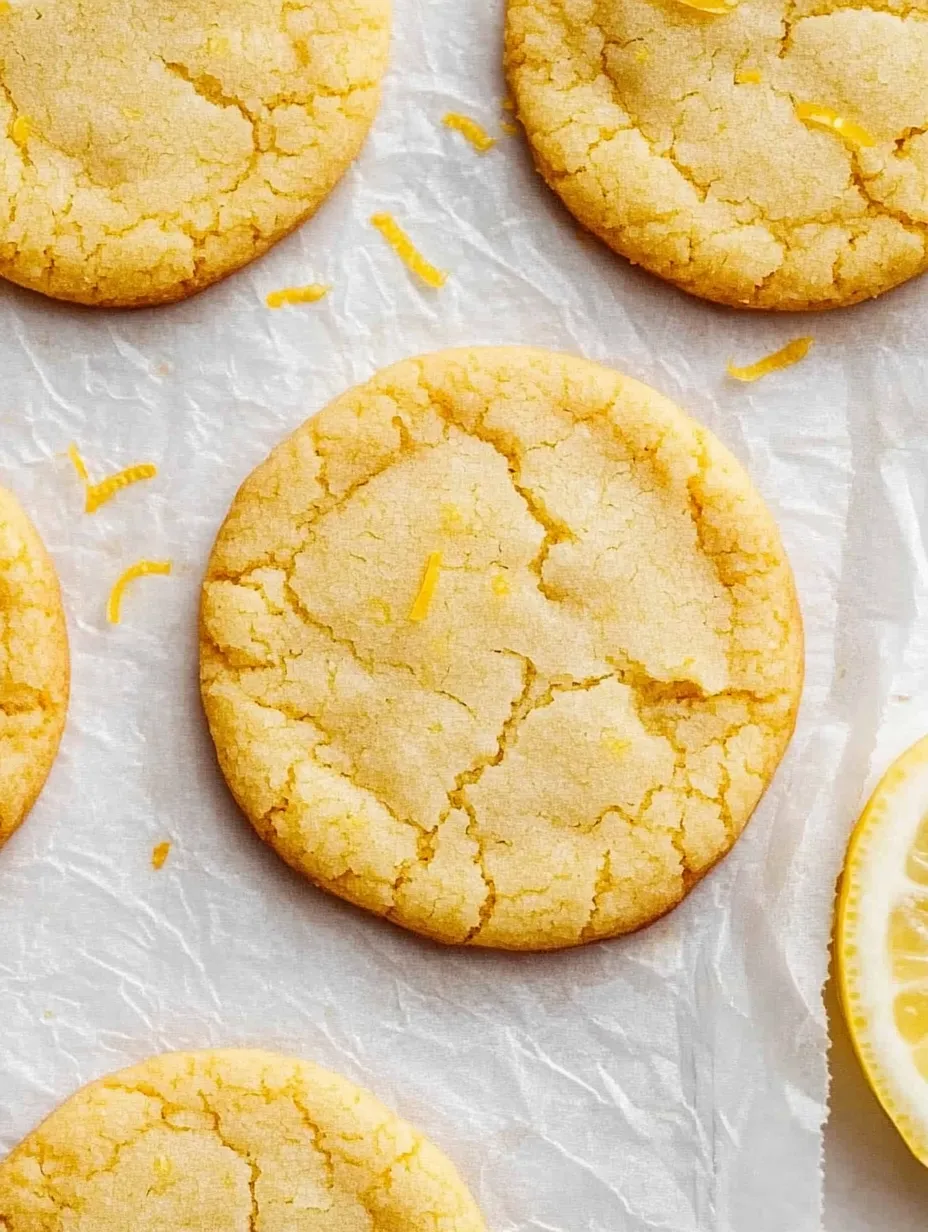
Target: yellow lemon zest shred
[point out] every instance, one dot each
(159, 856)
(21, 130)
(132, 113)
(850, 132)
(310, 294)
(475, 133)
(99, 493)
(784, 358)
(423, 600)
(748, 77)
(717, 8)
(616, 745)
(142, 568)
(217, 45)
(78, 463)
(5, 8)
(406, 250)
(500, 584)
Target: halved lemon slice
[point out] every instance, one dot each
(881, 944)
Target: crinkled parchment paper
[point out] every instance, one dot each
(675, 1080)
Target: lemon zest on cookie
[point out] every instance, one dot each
(99, 493)
(615, 743)
(78, 463)
(748, 77)
(406, 250)
(5, 8)
(21, 130)
(310, 294)
(717, 8)
(787, 355)
(475, 133)
(500, 584)
(159, 856)
(142, 568)
(132, 113)
(423, 600)
(850, 132)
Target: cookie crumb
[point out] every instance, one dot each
(142, 568)
(310, 294)
(850, 132)
(423, 600)
(788, 355)
(404, 248)
(475, 133)
(159, 856)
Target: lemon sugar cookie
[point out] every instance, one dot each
(227, 1141)
(34, 667)
(501, 646)
(761, 153)
(149, 149)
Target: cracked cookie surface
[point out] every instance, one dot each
(673, 135)
(599, 691)
(230, 1141)
(149, 149)
(34, 667)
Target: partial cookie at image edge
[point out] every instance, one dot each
(34, 665)
(230, 1138)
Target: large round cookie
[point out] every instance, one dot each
(33, 665)
(149, 147)
(674, 135)
(229, 1141)
(560, 740)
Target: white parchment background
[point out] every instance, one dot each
(676, 1080)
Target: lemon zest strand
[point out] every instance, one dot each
(850, 132)
(406, 250)
(78, 463)
(99, 493)
(310, 294)
(21, 130)
(475, 133)
(748, 77)
(423, 600)
(142, 568)
(788, 355)
(717, 8)
(159, 856)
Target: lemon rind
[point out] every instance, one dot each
(885, 1085)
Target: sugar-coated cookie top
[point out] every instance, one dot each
(503, 646)
(229, 1141)
(148, 147)
(772, 155)
(33, 665)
